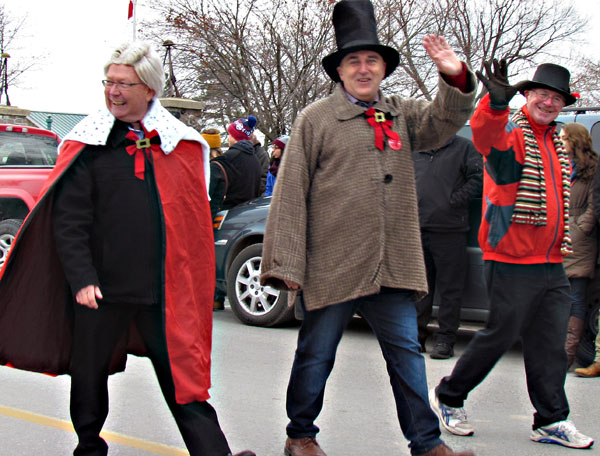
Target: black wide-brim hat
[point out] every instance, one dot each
(550, 76)
(356, 30)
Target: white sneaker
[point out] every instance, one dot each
(453, 419)
(562, 433)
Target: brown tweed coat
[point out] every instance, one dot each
(343, 220)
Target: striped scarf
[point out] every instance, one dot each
(530, 202)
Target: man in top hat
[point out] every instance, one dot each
(343, 227)
(524, 235)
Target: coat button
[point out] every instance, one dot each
(387, 179)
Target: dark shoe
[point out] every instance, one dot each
(218, 305)
(422, 347)
(245, 453)
(592, 370)
(306, 446)
(574, 333)
(445, 450)
(442, 350)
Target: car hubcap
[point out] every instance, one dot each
(6, 241)
(252, 296)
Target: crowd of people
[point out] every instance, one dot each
(125, 224)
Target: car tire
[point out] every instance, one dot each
(586, 351)
(8, 231)
(252, 303)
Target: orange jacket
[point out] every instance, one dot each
(501, 143)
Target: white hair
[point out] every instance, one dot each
(144, 60)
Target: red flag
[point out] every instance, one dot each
(130, 12)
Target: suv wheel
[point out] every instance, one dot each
(8, 231)
(251, 302)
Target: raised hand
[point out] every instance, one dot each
(496, 82)
(443, 55)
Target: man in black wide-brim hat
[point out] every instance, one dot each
(524, 235)
(343, 227)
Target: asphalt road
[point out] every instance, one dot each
(250, 373)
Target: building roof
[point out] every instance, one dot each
(58, 122)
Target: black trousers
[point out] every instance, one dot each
(446, 263)
(96, 335)
(530, 302)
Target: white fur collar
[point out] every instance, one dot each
(95, 128)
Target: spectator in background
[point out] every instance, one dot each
(447, 179)
(276, 155)
(234, 176)
(581, 264)
(263, 159)
(213, 138)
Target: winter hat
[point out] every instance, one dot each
(281, 142)
(242, 128)
(553, 77)
(213, 137)
(356, 30)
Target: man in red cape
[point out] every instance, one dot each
(117, 257)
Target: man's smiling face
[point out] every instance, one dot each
(362, 73)
(544, 105)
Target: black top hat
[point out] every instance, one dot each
(550, 76)
(356, 30)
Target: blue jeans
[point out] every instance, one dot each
(392, 317)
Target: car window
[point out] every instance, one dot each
(595, 132)
(21, 149)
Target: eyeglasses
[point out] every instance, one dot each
(121, 85)
(543, 95)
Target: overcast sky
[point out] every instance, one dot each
(72, 39)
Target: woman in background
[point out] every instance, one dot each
(580, 265)
(278, 148)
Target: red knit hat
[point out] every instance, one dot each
(242, 128)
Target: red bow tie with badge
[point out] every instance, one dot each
(151, 141)
(382, 124)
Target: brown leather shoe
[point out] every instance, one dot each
(591, 371)
(444, 450)
(245, 453)
(306, 446)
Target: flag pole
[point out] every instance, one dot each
(134, 17)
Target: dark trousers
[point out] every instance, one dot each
(446, 262)
(530, 302)
(392, 319)
(96, 336)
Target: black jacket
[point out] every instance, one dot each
(107, 224)
(243, 177)
(447, 178)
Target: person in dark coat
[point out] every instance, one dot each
(263, 159)
(447, 179)
(235, 176)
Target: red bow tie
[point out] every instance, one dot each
(382, 126)
(151, 141)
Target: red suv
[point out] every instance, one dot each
(27, 155)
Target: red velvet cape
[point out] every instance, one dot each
(36, 302)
